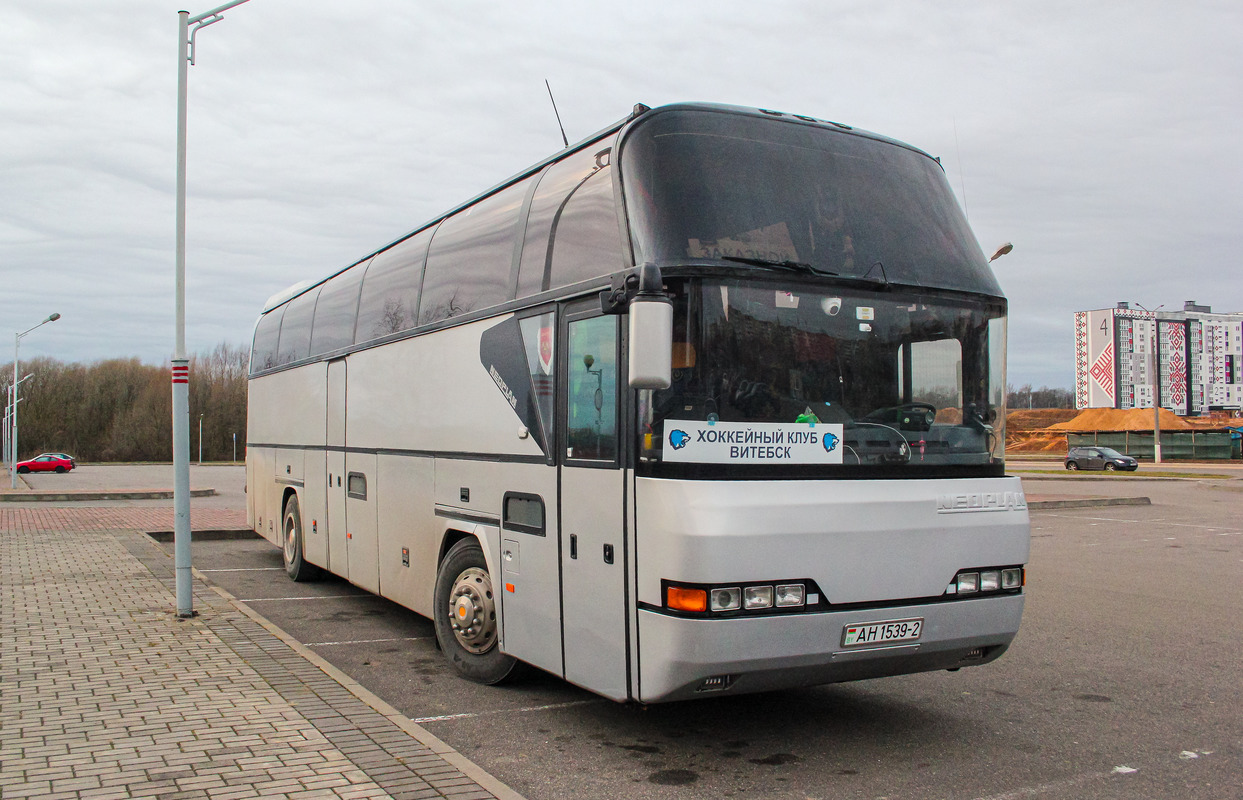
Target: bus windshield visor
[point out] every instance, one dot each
(705, 186)
(787, 373)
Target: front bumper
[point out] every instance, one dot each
(685, 658)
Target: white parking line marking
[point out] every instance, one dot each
(452, 717)
(246, 569)
(317, 597)
(1207, 528)
(368, 641)
(1057, 786)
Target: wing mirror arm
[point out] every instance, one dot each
(640, 293)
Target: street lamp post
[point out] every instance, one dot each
(200, 440)
(8, 419)
(181, 364)
(17, 340)
(1156, 388)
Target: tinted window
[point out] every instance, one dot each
(390, 295)
(295, 341)
(334, 313)
(591, 394)
(559, 182)
(267, 333)
(586, 241)
(471, 257)
(707, 185)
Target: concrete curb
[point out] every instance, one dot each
(463, 764)
(11, 496)
(1087, 502)
(206, 535)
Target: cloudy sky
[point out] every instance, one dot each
(1102, 139)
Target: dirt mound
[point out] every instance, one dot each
(1034, 419)
(1035, 442)
(1121, 419)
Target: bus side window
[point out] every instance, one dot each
(389, 302)
(560, 184)
(267, 334)
(471, 257)
(591, 408)
(295, 341)
(335, 311)
(587, 242)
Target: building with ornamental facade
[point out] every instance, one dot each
(1199, 358)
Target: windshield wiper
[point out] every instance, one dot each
(791, 266)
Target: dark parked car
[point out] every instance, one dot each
(1099, 458)
(48, 462)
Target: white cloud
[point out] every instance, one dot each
(1099, 139)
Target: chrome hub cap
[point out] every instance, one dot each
(472, 611)
(291, 538)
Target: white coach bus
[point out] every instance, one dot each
(710, 402)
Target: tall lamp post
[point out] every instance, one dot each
(181, 364)
(17, 341)
(1156, 388)
(9, 407)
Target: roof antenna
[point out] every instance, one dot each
(554, 110)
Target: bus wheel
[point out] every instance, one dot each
(466, 617)
(296, 566)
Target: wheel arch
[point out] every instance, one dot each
(451, 537)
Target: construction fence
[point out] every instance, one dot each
(1196, 445)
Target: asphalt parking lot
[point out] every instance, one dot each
(1123, 682)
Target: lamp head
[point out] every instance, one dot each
(1001, 251)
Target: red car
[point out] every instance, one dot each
(45, 463)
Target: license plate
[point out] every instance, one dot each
(894, 630)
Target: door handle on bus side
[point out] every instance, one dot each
(574, 545)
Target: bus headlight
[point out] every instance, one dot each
(987, 581)
(758, 597)
(792, 594)
(726, 599)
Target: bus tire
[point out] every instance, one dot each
(296, 566)
(465, 617)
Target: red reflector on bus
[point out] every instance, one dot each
(509, 587)
(680, 599)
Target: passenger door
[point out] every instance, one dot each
(593, 543)
(530, 551)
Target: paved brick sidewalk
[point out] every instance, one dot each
(105, 693)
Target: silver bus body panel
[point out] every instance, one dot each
(765, 653)
(862, 541)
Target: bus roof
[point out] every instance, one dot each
(640, 110)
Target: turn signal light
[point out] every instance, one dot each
(681, 599)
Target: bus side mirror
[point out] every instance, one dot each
(651, 343)
(641, 293)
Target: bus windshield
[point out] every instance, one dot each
(911, 382)
(702, 185)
